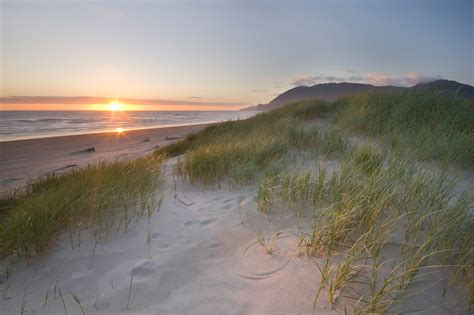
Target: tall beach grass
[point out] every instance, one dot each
(99, 197)
(381, 228)
(426, 124)
(383, 222)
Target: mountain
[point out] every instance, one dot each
(447, 87)
(332, 91)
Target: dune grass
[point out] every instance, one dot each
(360, 213)
(317, 140)
(100, 197)
(431, 126)
(382, 221)
(239, 151)
(420, 125)
(233, 150)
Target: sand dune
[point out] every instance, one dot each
(203, 252)
(198, 254)
(203, 258)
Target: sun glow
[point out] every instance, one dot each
(119, 130)
(115, 106)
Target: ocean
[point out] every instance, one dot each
(16, 125)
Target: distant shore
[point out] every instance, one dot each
(23, 160)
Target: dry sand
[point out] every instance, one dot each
(204, 260)
(203, 257)
(22, 160)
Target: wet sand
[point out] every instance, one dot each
(23, 160)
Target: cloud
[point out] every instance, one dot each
(194, 97)
(408, 79)
(74, 100)
(259, 91)
(415, 78)
(311, 80)
(375, 78)
(381, 79)
(307, 80)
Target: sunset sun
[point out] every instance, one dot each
(115, 106)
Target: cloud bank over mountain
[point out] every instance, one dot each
(374, 78)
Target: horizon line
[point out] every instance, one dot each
(87, 100)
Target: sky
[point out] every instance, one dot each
(222, 54)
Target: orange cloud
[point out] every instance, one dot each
(102, 103)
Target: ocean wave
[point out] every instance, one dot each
(29, 124)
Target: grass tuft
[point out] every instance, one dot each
(101, 197)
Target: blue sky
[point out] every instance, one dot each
(236, 52)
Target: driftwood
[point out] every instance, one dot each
(65, 167)
(88, 150)
(172, 138)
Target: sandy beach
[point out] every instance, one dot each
(198, 254)
(223, 248)
(203, 258)
(22, 160)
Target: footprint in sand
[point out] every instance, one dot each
(227, 206)
(207, 222)
(231, 200)
(188, 223)
(145, 269)
(183, 200)
(215, 245)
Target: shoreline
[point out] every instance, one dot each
(104, 131)
(71, 129)
(27, 159)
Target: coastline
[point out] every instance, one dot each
(43, 136)
(259, 244)
(18, 125)
(27, 159)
